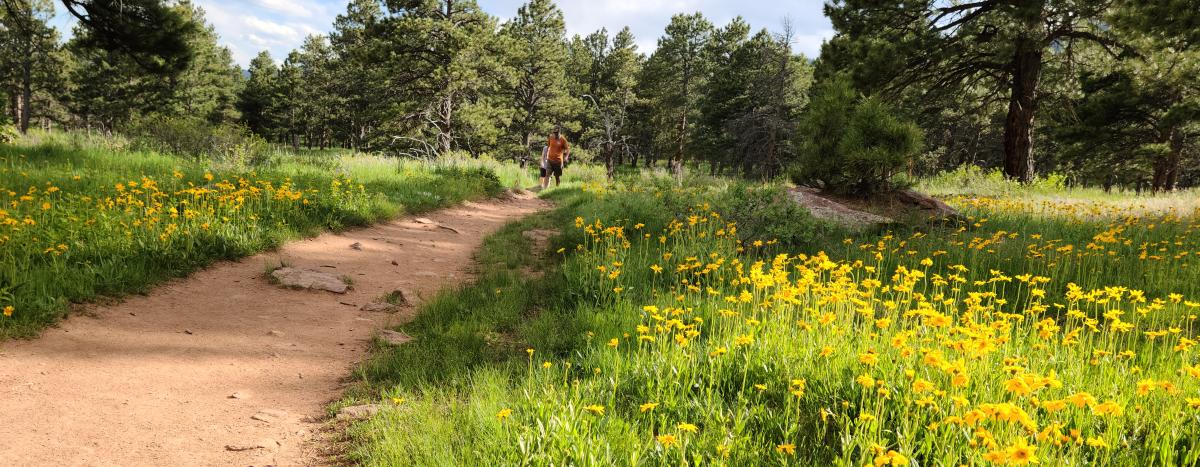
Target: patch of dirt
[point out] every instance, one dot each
(539, 240)
(859, 214)
(825, 208)
(131, 387)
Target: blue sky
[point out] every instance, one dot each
(249, 26)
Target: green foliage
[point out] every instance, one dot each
(113, 87)
(673, 78)
(975, 181)
(152, 33)
(1008, 52)
(856, 144)
(536, 96)
(227, 143)
(488, 180)
(1134, 121)
(8, 134)
(757, 90)
(766, 213)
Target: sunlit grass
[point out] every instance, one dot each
(663, 338)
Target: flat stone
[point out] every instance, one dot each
(240, 395)
(381, 307)
(261, 444)
(309, 279)
(391, 337)
(269, 415)
(358, 412)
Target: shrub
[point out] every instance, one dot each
(8, 134)
(487, 179)
(197, 138)
(853, 144)
(767, 213)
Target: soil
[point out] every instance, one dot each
(224, 367)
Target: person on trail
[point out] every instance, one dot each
(542, 180)
(558, 151)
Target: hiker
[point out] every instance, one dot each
(542, 180)
(558, 151)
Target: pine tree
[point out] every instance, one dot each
(776, 87)
(723, 94)
(535, 51)
(1005, 44)
(675, 75)
(1140, 115)
(432, 51)
(209, 86)
(357, 75)
(27, 47)
(610, 70)
(148, 33)
(317, 98)
(258, 94)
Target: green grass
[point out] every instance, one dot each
(84, 216)
(751, 335)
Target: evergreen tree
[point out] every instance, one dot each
(675, 75)
(317, 98)
(763, 121)
(27, 55)
(358, 78)
(286, 104)
(432, 51)
(723, 93)
(258, 94)
(1135, 120)
(110, 88)
(610, 73)
(209, 86)
(950, 45)
(536, 53)
(149, 33)
(854, 144)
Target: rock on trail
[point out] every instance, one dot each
(123, 385)
(309, 279)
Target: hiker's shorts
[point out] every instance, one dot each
(554, 168)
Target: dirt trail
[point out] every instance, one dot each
(149, 381)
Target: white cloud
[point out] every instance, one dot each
(277, 26)
(271, 28)
(288, 7)
(250, 26)
(648, 18)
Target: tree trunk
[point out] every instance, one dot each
(1022, 105)
(677, 158)
(1173, 161)
(13, 106)
(26, 94)
(446, 135)
(609, 159)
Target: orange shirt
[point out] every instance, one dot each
(557, 148)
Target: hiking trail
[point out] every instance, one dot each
(224, 367)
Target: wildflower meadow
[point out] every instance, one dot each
(1052, 331)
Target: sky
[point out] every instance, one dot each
(279, 26)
